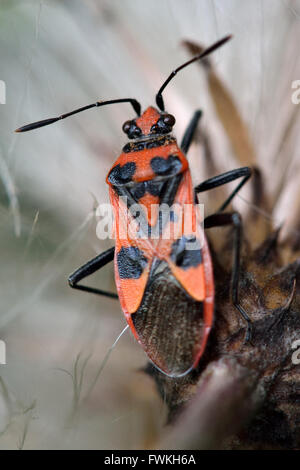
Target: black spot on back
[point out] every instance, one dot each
(122, 174)
(152, 187)
(173, 217)
(138, 191)
(182, 256)
(131, 263)
(166, 166)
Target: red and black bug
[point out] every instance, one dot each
(165, 287)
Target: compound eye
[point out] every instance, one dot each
(126, 126)
(169, 120)
(136, 132)
(154, 129)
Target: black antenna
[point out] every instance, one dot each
(135, 104)
(209, 50)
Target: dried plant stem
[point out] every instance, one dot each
(227, 395)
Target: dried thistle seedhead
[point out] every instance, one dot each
(260, 373)
(243, 395)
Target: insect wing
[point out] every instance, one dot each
(175, 316)
(132, 258)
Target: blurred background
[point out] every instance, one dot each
(59, 55)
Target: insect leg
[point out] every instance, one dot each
(190, 131)
(234, 219)
(244, 172)
(89, 268)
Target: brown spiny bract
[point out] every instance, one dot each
(270, 293)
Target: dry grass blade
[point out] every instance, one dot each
(227, 111)
(258, 220)
(28, 414)
(11, 194)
